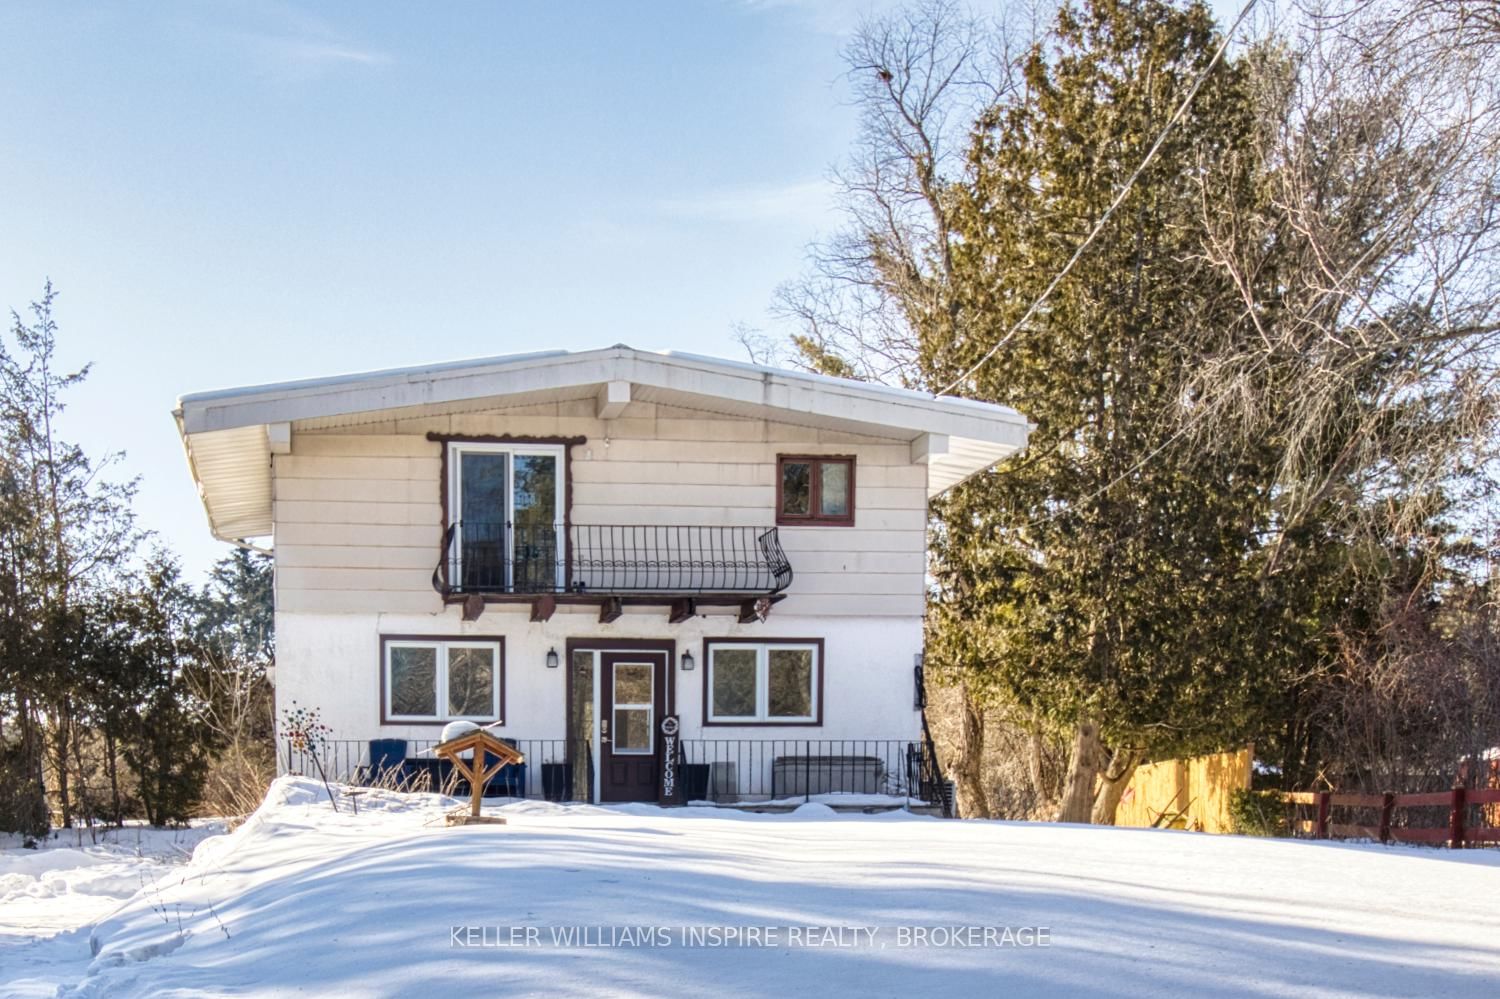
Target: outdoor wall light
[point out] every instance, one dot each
(687, 660)
(552, 658)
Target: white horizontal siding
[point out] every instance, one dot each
(317, 556)
(375, 511)
(290, 537)
(359, 518)
(328, 601)
(425, 490)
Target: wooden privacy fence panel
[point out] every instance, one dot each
(1458, 831)
(1186, 794)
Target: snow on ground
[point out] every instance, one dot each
(75, 878)
(844, 799)
(391, 902)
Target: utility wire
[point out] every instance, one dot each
(1110, 211)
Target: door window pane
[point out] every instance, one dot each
(483, 482)
(581, 723)
(833, 498)
(471, 682)
(733, 680)
(536, 518)
(482, 519)
(413, 680)
(790, 683)
(796, 488)
(536, 490)
(632, 730)
(633, 683)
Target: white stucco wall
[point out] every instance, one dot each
(332, 662)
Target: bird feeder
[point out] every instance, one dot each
(477, 746)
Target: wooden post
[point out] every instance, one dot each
(1456, 820)
(1323, 808)
(1388, 805)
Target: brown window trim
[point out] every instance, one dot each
(817, 721)
(815, 491)
(386, 719)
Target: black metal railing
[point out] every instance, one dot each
(750, 771)
(356, 761)
(611, 559)
(862, 772)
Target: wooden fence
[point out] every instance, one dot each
(1395, 813)
(1185, 794)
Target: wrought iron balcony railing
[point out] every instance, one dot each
(611, 560)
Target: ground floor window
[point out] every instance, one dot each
(763, 683)
(442, 679)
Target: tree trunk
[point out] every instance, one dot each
(1034, 760)
(81, 787)
(117, 813)
(37, 819)
(1112, 784)
(1083, 767)
(973, 803)
(59, 742)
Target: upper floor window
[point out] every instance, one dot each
(506, 505)
(814, 489)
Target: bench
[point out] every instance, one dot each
(804, 775)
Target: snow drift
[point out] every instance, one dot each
(635, 900)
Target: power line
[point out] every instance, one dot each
(1109, 212)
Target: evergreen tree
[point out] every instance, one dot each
(1103, 579)
(168, 745)
(231, 680)
(65, 532)
(235, 611)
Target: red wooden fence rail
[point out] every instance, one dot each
(1456, 833)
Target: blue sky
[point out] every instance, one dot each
(227, 193)
(236, 192)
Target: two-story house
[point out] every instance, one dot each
(572, 547)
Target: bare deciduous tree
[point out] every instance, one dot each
(920, 78)
(1373, 371)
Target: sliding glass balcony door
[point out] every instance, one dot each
(506, 504)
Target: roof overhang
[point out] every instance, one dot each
(230, 434)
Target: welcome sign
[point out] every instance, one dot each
(670, 791)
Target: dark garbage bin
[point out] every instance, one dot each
(694, 780)
(557, 781)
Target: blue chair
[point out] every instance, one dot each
(390, 755)
(386, 755)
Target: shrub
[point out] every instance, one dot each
(1258, 813)
(23, 804)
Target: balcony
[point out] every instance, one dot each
(612, 564)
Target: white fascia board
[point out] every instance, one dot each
(792, 392)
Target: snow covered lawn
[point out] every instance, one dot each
(49, 896)
(702, 902)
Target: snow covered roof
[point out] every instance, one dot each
(230, 434)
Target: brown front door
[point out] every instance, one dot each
(632, 699)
